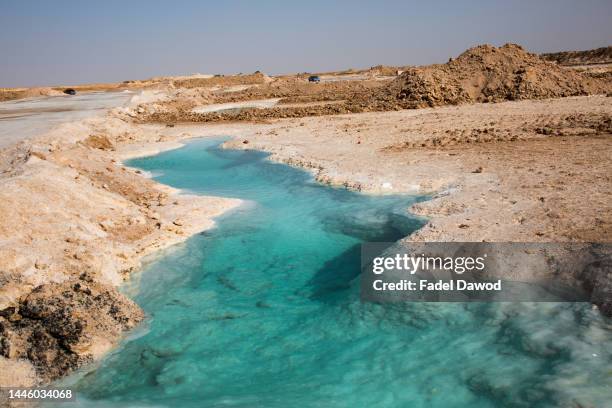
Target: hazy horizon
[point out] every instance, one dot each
(69, 42)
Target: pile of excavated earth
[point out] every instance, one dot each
(601, 55)
(489, 74)
(221, 80)
(10, 94)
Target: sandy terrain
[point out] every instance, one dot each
(75, 221)
(480, 74)
(514, 171)
(186, 81)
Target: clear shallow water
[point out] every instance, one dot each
(264, 311)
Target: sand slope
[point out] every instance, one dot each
(74, 223)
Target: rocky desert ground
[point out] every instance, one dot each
(509, 145)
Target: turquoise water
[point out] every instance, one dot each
(264, 311)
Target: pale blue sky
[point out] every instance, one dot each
(70, 42)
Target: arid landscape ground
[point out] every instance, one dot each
(511, 146)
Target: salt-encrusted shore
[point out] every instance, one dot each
(528, 171)
(75, 222)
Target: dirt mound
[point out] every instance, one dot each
(489, 74)
(221, 80)
(193, 96)
(601, 55)
(178, 100)
(386, 70)
(98, 142)
(35, 92)
(11, 94)
(294, 90)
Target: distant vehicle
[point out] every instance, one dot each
(314, 78)
(69, 91)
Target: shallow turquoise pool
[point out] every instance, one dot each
(264, 311)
